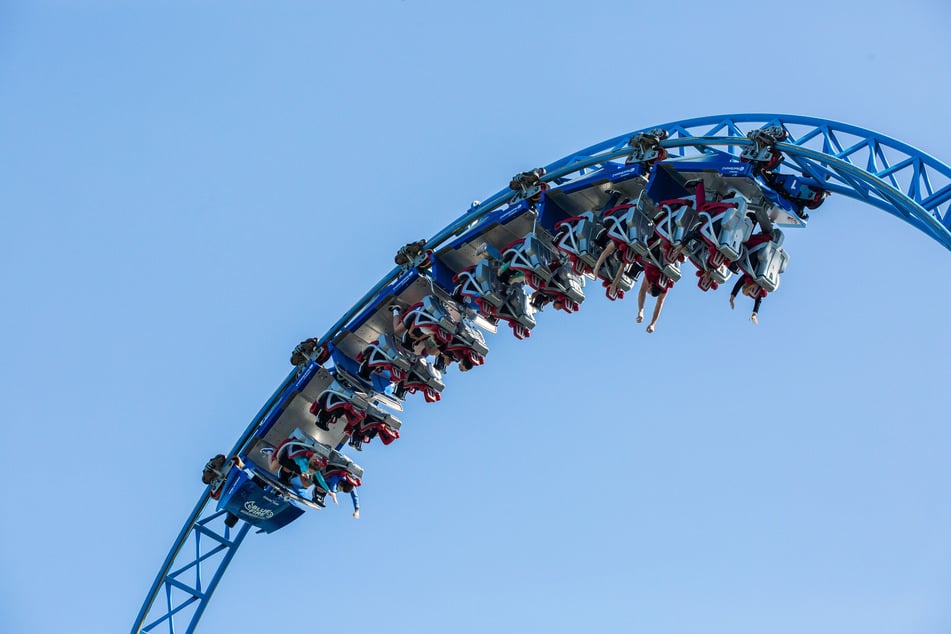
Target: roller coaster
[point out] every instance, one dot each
(715, 191)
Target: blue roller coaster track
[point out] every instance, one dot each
(838, 158)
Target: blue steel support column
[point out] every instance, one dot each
(201, 525)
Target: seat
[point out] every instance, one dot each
(577, 239)
(516, 311)
(467, 345)
(338, 400)
(726, 229)
(765, 261)
(530, 256)
(432, 317)
(341, 465)
(698, 251)
(377, 423)
(565, 288)
(671, 226)
(658, 256)
(300, 438)
(479, 285)
(424, 378)
(631, 227)
(383, 355)
(800, 191)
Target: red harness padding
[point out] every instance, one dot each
(386, 433)
(346, 475)
(322, 404)
(655, 277)
(757, 240)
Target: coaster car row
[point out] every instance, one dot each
(650, 213)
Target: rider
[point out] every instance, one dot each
(416, 340)
(651, 283)
(632, 269)
(294, 458)
(746, 283)
(751, 289)
(340, 481)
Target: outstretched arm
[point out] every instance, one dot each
(318, 478)
(736, 290)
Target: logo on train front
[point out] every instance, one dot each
(253, 509)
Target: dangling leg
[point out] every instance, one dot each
(641, 298)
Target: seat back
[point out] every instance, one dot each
(317, 447)
(676, 223)
(340, 461)
(470, 337)
(529, 255)
(770, 264)
(735, 229)
(577, 237)
(517, 309)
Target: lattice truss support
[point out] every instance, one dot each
(208, 548)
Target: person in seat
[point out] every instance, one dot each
(653, 284)
(632, 270)
(415, 340)
(339, 481)
(748, 287)
(746, 284)
(293, 458)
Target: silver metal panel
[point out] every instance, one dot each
(749, 189)
(499, 236)
(594, 198)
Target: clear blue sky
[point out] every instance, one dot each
(187, 189)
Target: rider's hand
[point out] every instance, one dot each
(732, 302)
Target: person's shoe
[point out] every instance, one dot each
(231, 520)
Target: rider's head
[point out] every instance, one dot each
(315, 462)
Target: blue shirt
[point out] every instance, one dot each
(334, 480)
(304, 464)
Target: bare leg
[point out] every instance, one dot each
(657, 308)
(641, 298)
(608, 250)
(398, 326)
(617, 278)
